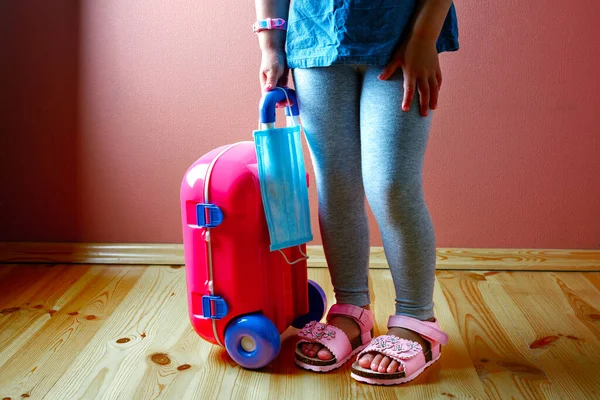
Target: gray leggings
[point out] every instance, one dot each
(362, 143)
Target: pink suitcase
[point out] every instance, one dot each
(240, 294)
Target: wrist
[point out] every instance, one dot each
(429, 20)
(423, 38)
(271, 40)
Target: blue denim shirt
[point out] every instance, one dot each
(325, 32)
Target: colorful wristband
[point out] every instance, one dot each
(269, 23)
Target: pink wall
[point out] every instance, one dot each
(104, 106)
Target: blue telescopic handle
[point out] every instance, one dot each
(270, 100)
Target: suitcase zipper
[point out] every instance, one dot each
(219, 303)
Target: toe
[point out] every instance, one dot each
(400, 367)
(393, 367)
(375, 362)
(365, 361)
(324, 354)
(383, 365)
(313, 350)
(305, 347)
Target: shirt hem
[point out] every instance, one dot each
(325, 61)
(447, 45)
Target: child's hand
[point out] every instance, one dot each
(273, 71)
(419, 61)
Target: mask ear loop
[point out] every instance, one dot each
(293, 123)
(290, 119)
(298, 260)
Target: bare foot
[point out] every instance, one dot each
(348, 325)
(379, 363)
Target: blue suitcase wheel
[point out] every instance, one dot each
(317, 304)
(252, 341)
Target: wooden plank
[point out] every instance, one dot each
(456, 366)
(583, 298)
(172, 254)
(593, 278)
(136, 353)
(504, 363)
(552, 319)
(48, 353)
(20, 283)
(25, 311)
(211, 373)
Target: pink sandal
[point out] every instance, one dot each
(406, 352)
(334, 338)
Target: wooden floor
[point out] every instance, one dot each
(122, 332)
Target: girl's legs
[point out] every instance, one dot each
(329, 100)
(393, 144)
(352, 121)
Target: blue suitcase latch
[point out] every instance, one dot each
(208, 215)
(214, 307)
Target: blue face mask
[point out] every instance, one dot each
(282, 174)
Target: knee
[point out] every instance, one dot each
(340, 190)
(393, 197)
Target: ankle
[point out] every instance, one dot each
(409, 335)
(346, 324)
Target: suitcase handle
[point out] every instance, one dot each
(269, 101)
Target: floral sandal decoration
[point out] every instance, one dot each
(334, 339)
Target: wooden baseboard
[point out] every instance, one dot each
(492, 259)
(91, 253)
(172, 254)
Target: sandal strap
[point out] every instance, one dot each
(363, 317)
(329, 336)
(428, 330)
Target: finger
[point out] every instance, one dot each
(383, 365)
(438, 75)
(376, 361)
(423, 87)
(263, 79)
(271, 79)
(434, 91)
(284, 103)
(389, 70)
(409, 91)
(283, 81)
